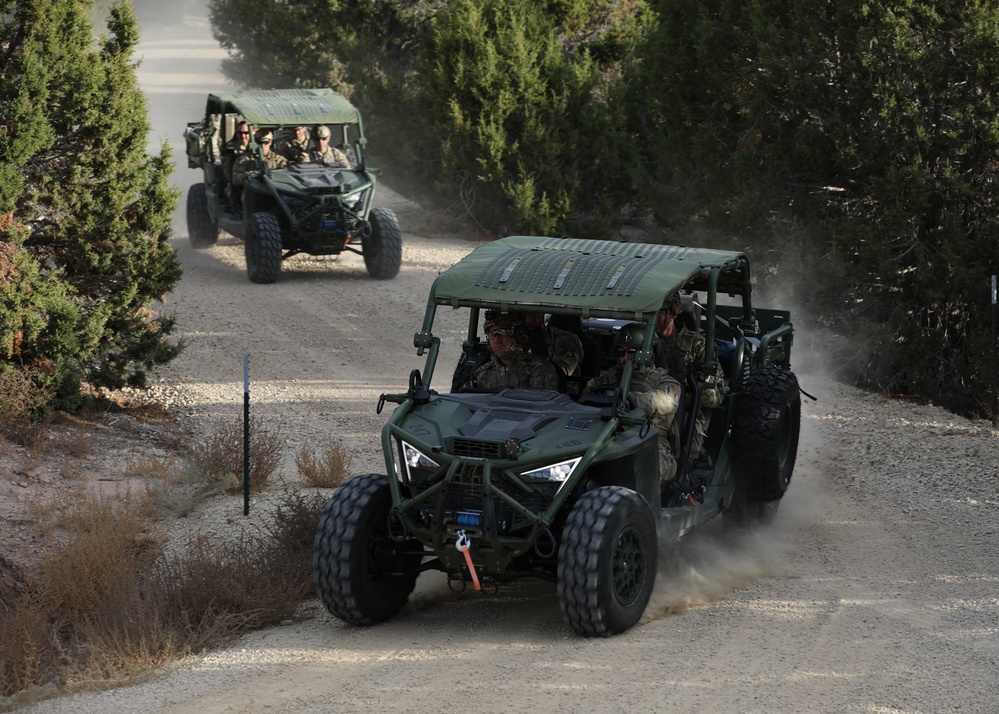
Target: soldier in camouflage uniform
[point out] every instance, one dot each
(563, 348)
(247, 163)
(652, 390)
(509, 365)
(683, 352)
(296, 149)
(235, 148)
(323, 153)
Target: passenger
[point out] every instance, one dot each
(563, 348)
(652, 390)
(509, 365)
(683, 352)
(296, 148)
(323, 153)
(247, 163)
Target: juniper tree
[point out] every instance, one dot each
(84, 211)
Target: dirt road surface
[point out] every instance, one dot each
(877, 591)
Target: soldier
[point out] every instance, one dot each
(235, 148)
(683, 351)
(563, 348)
(509, 365)
(247, 163)
(652, 390)
(296, 149)
(323, 153)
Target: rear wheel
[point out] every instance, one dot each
(263, 248)
(201, 230)
(765, 432)
(607, 561)
(362, 576)
(383, 245)
(764, 445)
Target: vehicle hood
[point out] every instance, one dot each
(318, 179)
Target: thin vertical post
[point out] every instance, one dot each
(995, 354)
(246, 434)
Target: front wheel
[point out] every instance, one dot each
(263, 248)
(607, 561)
(362, 576)
(383, 245)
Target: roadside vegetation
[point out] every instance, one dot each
(850, 149)
(110, 597)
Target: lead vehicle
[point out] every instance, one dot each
(306, 208)
(564, 485)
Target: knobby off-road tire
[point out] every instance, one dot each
(383, 247)
(361, 575)
(201, 230)
(263, 248)
(607, 561)
(764, 444)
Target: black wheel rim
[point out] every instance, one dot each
(629, 566)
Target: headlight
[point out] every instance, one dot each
(556, 472)
(415, 460)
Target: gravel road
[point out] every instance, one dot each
(876, 591)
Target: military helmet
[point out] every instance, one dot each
(673, 303)
(630, 336)
(515, 322)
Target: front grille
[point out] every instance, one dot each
(465, 503)
(470, 448)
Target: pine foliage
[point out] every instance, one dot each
(85, 211)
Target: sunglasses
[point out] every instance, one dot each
(243, 133)
(266, 141)
(625, 353)
(500, 332)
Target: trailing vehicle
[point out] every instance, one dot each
(310, 207)
(564, 485)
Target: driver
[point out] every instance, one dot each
(652, 390)
(509, 365)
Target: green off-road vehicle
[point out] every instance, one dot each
(564, 485)
(308, 207)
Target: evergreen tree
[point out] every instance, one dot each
(851, 146)
(84, 212)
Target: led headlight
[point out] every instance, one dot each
(555, 472)
(416, 460)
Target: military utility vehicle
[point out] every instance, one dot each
(564, 485)
(309, 208)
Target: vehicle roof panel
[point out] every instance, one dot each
(286, 107)
(601, 276)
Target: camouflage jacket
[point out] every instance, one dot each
(246, 164)
(653, 391)
(526, 370)
(295, 151)
(685, 351)
(331, 157)
(233, 150)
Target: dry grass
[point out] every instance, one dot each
(108, 605)
(328, 468)
(219, 454)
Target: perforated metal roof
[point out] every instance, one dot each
(286, 107)
(600, 276)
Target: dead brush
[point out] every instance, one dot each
(219, 454)
(326, 467)
(173, 486)
(109, 604)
